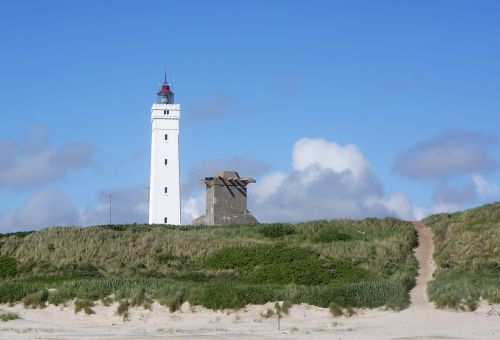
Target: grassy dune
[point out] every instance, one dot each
(467, 252)
(344, 263)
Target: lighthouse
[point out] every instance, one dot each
(164, 188)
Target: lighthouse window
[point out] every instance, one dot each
(166, 137)
(166, 190)
(166, 161)
(166, 112)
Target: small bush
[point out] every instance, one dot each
(175, 302)
(8, 266)
(85, 305)
(234, 296)
(276, 230)
(166, 258)
(335, 309)
(305, 272)
(140, 298)
(60, 296)
(258, 255)
(20, 234)
(326, 235)
(268, 314)
(282, 308)
(79, 270)
(36, 300)
(285, 306)
(8, 316)
(350, 311)
(122, 310)
(107, 301)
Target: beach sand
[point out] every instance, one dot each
(303, 322)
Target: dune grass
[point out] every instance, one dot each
(467, 252)
(8, 316)
(366, 263)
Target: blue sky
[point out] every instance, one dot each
(412, 86)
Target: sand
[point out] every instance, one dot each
(420, 321)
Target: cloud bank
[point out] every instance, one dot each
(44, 208)
(31, 161)
(327, 180)
(455, 153)
(47, 208)
(455, 163)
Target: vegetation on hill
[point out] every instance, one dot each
(346, 263)
(467, 252)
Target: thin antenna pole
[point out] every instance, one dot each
(109, 208)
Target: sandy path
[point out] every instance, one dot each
(426, 265)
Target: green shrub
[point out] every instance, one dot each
(166, 258)
(8, 316)
(36, 300)
(174, 303)
(84, 305)
(326, 235)
(8, 266)
(258, 255)
(13, 292)
(20, 234)
(304, 272)
(122, 310)
(268, 314)
(79, 270)
(193, 276)
(233, 296)
(283, 307)
(140, 298)
(107, 301)
(60, 296)
(276, 230)
(335, 309)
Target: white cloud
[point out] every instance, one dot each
(329, 156)
(267, 185)
(128, 205)
(44, 208)
(484, 188)
(455, 153)
(33, 160)
(192, 208)
(328, 180)
(397, 204)
(444, 193)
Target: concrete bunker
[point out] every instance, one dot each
(226, 200)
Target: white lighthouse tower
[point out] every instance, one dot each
(164, 188)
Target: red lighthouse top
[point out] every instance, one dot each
(165, 95)
(165, 89)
